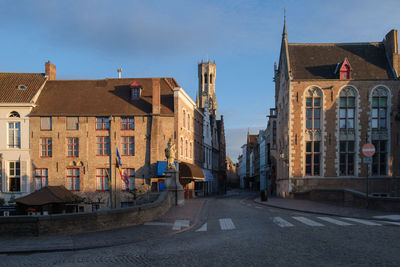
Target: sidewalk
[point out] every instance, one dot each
(323, 208)
(190, 211)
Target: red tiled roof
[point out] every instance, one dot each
(9, 82)
(102, 97)
(319, 61)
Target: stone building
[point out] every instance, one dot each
(18, 95)
(78, 125)
(331, 99)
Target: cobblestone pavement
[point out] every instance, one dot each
(236, 231)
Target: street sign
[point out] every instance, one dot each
(367, 160)
(368, 150)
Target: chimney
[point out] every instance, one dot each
(156, 96)
(391, 43)
(50, 70)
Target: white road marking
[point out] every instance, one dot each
(391, 217)
(395, 223)
(281, 222)
(159, 223)
(363, 221)
(179, 224)
(226, 224)
(203, 228)
(334, 221)
(307, 221)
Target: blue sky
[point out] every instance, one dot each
(91, 39)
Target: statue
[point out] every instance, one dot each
(170, 154)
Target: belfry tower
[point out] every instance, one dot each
(207, 74)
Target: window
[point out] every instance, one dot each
(186, 149)
(211, 78)
(346, 113)
(184, 117)
(102, 179)
(102, 123)
(45, 123)
(188, 121)
(379, 111)
(73, 147)
(103, 145)
(14, 114)
(313, 112)
(379, 160)
(73, 179)
(205, 78)
(128, 145)
(45, 147)
(14, 174)
(181, 146)
(313, 158)
(191, 150)
(130, 175)
(127, 123)
(346, 158)
(14, 135)
(41, 178)
(72, 123)
(135, 93)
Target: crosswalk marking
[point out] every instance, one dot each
(307, 221)
(203, 228)
(334, 221)
(226, 224)
(363, 221)
(179, 224)
(281, 222)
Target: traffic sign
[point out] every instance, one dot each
(368, 150)
(367, 160)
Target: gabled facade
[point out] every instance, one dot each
(18, 95)
(328, 109)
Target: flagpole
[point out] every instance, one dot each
(110, 173)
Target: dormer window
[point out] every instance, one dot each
(345, 70)
(136, 90)
(22, 87)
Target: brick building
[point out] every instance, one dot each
(331, 99)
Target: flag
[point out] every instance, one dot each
(119, 165)
(109, 179)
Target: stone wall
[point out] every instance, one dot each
(65, 224)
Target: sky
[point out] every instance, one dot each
(92, 39)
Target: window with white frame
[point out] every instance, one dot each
(102, 179)
(14, 135)
(73, 179)
(41, 178)
(129, 174)
(14, 176)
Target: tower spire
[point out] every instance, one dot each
(284, 34)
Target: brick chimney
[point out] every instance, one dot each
(391, 43)
(50, 70)
(156, 96)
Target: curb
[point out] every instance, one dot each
(323, 213)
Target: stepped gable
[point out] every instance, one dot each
(319, 61)
(103, 97)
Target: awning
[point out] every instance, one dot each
(190, 171)
(48, 195)
(161, 165)
(208, 175)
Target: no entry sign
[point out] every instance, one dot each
(368, 150)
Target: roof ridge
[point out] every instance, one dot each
(66, 80)
(36, 73)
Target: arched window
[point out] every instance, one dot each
(184, 117)
(14, 114)
(347, 118)
(188, 122)
(191, 150)
(313, 108)
(379, 108)
(205, 78)
(181, 147)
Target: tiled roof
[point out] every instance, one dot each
(9, 83)
(102, 97)
(319, 61)
(48, 195)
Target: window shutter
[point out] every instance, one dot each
(24, 176)
(45, 123)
